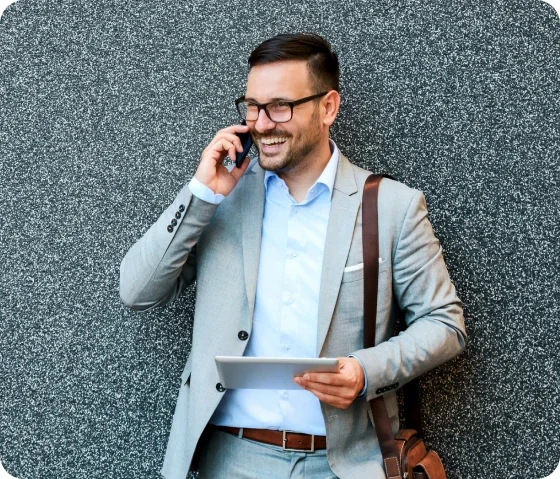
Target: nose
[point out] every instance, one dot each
(264, 123)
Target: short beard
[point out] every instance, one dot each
(292, 160)
(295, 157)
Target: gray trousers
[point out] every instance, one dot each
(226, 456)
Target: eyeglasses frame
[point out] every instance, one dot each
(263, 106)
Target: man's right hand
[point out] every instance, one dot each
(211, 172)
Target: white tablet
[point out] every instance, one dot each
(268, 373)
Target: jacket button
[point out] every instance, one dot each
(243, 335)
(220, 388)
(174, 222)
(379, 391)
(177, 215)
(170, 229)
(181, 208)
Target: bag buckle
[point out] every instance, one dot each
(285, 440)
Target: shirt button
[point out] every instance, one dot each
(170, 229)
(243, 335)
(220, 388)
(291, 301)
(285, 395)
(294, 254)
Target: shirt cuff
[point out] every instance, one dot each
(363, 391)
(204, 193)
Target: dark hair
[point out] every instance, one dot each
(321, 60)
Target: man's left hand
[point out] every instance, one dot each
(336, 389)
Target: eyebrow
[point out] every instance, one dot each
(272, 100)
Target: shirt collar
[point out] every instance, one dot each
(326, 178)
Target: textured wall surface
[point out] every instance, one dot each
(105, 107)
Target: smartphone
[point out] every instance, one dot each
(246, 143)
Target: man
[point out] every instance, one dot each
(275, 247)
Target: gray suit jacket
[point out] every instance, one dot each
(218, 246)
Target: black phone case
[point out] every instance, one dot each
(246, 142)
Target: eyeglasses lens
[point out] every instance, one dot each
(277, 112)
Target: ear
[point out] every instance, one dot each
(331, 104)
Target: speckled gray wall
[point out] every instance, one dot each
(105, 107)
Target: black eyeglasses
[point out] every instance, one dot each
(279, 111)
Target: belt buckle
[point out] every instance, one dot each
(285, 440)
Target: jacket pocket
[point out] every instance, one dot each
(352, 275)
(356, 272)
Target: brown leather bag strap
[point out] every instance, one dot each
(370, 242)
(370, 247)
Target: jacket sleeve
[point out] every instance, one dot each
(162, 263)
(433, 312)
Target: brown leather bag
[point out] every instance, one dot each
(404, 456)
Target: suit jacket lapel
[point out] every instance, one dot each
(344, 209)
(252, 215)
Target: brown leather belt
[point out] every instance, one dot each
(289, 441)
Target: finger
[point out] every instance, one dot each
(231, 137)
(232, 152)
(339, 391)
(336, 379)
(222, 147)
(238, 172)
(237, 128)
(321, 387)
(332, 400)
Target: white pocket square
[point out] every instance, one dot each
(359, 266)
(356, 267)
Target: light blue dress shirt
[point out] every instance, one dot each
(287, 301)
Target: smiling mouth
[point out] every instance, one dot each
(276, 140)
